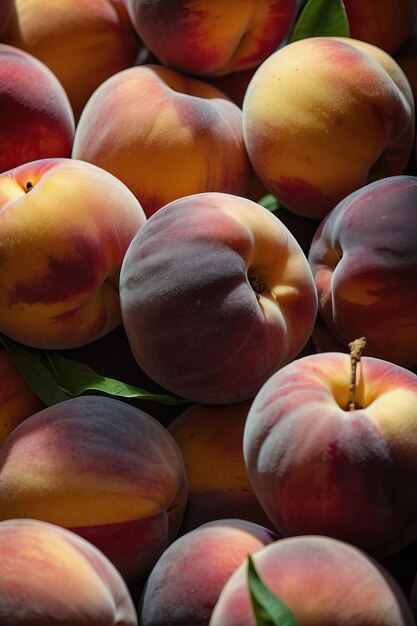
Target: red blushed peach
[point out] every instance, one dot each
(186, 581)
(36, 119)
(216, 37)
(322, 581)
(210, 439)
(6, 10)
(17, 400)
(65, 227)
(364, 261)
(216, 295)
(51, 577)
(324, 462)
(324, 116)
(82, 41)
(102, 468)
(165, 135)
(383, 23)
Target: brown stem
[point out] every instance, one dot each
(356, 350)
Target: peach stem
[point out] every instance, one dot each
(356, 350)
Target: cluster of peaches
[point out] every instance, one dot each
(195, 201)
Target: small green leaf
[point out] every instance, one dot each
(321, 18)
(269, 610)
(55, 378)
(269, 202)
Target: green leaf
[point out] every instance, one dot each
(321, 18)
(55, 378)
(269, 610)
(269, 202)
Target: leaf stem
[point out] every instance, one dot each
(356, 350)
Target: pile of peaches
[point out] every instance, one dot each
(209, 209)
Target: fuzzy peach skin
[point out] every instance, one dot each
(210, 439)
(320, 468)
(322, 581)
(6, 11)
(216, 295)
(364, 260)
(36, 119)
(216, 37)
(17, 400)
(65, 228)
(164, 135)
(102, 468)
(51, 577)
(185, 583)
(324, 116)
(82, 41)
(383, 23)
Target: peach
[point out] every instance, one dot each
(102, 468)
(216, 37)
(383, 23)
(185, 583)
(36, 117)
(17, 400)
(216, 295)
(210, 439)
(324, 460)
(165, 135)
(83, 42)
(324, 116)
(364, 261)
(322, 581)
(66, 226)
(51, 577)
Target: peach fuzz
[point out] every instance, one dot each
(216, 295)
(208, 38)
(319, 467)
(210, 439)
(364, 260)
(103, 469)
(17, 400)
(186, 581)
(165, 135)
(66, 226)
(383, 23)
(36, 117)
(83, 42)
(324, 116)
(51, 577)
(322, 581)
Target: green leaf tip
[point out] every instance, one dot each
(321, 18)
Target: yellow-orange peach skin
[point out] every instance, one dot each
(83, 42)
(102, 468)
(65, 227)
(165, 135)
(49, 577)
(322, 117)
(216, 37)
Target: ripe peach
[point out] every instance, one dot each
(322, 117)
(216, 37)
(210, 439)
(65, 226)
(321, 464)
(364, 261)
(165, 135)
(383, 23)
(82, 41)
(50, 577)
(185, 582)
(36, 119)
(322, 581)
(17, 400)
(103, 469)
(216, 295)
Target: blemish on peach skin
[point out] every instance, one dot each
(66, 277)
